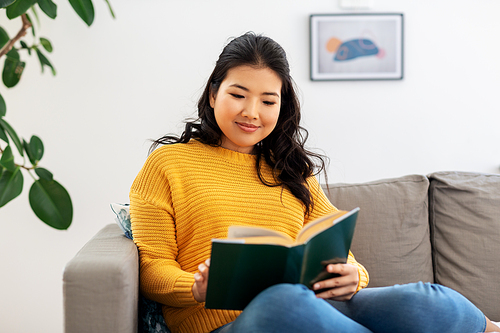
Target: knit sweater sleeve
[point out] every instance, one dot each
(322, 206)
(153, 227)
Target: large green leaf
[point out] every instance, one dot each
(5, 3)
(11, 185)
(4, 37)
(12, 71)
(51, 203)
(48, 7)
(36, 148)
(19, 7)
(3, 107)
(13, 54)
(7, 159)
(84, 9)
(5, 125)
(44, 61)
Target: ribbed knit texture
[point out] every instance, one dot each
(187, 194)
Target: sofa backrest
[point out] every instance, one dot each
(465, 235)
(392, 234)
(443, 228)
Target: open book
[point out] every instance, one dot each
(252, 259)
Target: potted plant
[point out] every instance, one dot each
(49, 200)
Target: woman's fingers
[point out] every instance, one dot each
(201, 281)
(342, 287)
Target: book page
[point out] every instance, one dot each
(255, 235)
(269, 240)
(236, 231)
(318, 225)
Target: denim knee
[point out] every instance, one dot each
(445, 305)
(423, 296)
(422, 293)
(292, 308)
(286, 293)
(277, 306)
(415, 307)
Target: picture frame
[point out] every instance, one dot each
(356, 46)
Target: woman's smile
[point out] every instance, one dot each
(246, 127)
(247, 106)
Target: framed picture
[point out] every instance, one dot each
(356, 46)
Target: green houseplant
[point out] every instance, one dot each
(48, 199)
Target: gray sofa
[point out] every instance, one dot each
(442, 228)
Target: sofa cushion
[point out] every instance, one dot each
(465, 229)
(392, 234)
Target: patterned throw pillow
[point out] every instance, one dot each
(150, 314)
(122, 212)
(151, 317)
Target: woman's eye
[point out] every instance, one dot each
(269, 103)
(236, 96)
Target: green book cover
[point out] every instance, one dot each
(253, 259)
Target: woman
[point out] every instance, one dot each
(244, 162)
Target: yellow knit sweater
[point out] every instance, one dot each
(187, 194)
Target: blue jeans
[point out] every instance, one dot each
(410, 308)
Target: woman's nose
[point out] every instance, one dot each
(251, 110)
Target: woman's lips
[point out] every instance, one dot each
(247, 127)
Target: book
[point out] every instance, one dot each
(252, 259)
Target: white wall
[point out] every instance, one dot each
(124, 81)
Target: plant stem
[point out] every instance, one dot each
(19, 165)
(31, 175)
(20, 34)
(25, 168)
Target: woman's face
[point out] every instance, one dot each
(247, 106)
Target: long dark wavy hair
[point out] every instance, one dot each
(284, 148)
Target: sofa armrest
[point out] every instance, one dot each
(101, 285)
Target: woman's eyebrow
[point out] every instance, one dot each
(246, 89)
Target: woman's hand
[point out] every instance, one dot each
(201, 282)
(340, 288)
